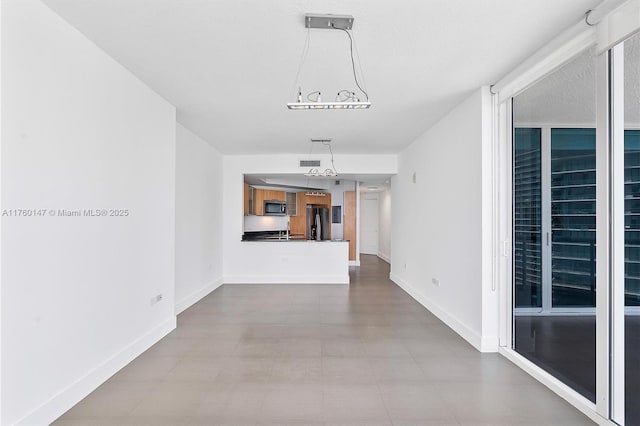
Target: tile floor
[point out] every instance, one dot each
(364, 354)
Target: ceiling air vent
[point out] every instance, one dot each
(309, 163)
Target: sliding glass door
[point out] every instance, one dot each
(576, 227)
(554, 217)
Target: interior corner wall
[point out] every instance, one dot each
(88, 202)
(384, 226)
(437, 221)
(198, 218)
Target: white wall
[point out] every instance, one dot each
(78, 132)
(271, 262)
(441, 226)
(384, 227)
(198, 218)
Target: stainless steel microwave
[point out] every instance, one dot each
(275, 208)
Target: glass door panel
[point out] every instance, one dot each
(573, 217)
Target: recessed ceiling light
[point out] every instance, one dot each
(372, 188)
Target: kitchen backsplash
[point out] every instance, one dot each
(265, 223)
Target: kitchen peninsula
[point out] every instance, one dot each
(295, 262)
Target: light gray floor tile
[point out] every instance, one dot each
(349, 402)
(301, 347)
(343, 347)
(297, 370)
(293, 402)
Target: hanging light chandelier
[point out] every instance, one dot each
(344, 99)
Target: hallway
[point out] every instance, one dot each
(363, 354)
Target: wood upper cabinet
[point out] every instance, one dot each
(271, 195)
(262, 195)
(258, 202)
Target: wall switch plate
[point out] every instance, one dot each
(435, 282)
(414, 178)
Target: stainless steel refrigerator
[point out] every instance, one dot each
(318, 222)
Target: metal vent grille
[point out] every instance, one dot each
(309, 163)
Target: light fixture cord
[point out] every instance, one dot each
(331, 152)
(353, 64)
(355, 48)
(310, 151)
(303, 59)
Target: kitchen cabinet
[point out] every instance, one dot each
(246, 199)
(292, 206)
(249, 199)
(262, 195)
(271, 195)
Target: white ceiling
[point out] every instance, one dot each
(229, 66)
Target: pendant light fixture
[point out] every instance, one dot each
(328, 172)
(345, 99)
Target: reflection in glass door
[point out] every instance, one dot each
(527, 219)
(573, 217)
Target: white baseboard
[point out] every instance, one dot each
(68, 397)
(194, 297)
(455, 324)
(354, 263)
(585, 406)
(385, 257)
(286, 279)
